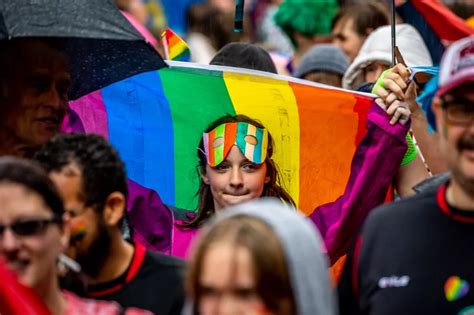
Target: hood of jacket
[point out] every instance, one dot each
(303, 249)
(378, 47)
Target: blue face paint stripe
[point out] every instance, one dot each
(242, 129)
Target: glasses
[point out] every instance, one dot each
(459, 111)
(29, 227)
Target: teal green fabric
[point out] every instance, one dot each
(308, 17)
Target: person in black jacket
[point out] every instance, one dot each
(415, 256)
(91, 177)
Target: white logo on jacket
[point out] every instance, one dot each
(394, 282)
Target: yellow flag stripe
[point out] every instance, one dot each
(264, 99)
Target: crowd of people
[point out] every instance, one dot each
(68, 224)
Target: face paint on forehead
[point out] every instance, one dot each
(251, 141)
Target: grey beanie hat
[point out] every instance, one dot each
(322, 57)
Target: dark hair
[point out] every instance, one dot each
(272, 279)
(103, 172)
(14, 51)
(30, 175)
(214, 24)
(244, 55)
(370, 15)
(271, 189)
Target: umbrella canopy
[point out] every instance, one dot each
(101, 45)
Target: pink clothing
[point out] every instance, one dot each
(182, 240)
(141, 29)
(81, 306)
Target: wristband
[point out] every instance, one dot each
(380, 81)
(411, 153)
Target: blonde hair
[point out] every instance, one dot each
(270, 270)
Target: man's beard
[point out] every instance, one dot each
(94, 259)
(465, 182)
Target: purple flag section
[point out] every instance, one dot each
(151, 221)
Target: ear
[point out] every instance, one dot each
(267, 179)
(438, 113)
(204, 177)
(436, 105)
(66, 232)
(114, 208)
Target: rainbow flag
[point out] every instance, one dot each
(436, 24)
(156, 119)
(174, 46)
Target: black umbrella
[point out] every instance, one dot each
(101, 45)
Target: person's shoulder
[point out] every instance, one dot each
(181, 214)
(158, 266)
(78, 306)
(403, 210)
(432, 183)
(160, 260)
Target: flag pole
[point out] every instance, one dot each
(394, 41)
(239, 16)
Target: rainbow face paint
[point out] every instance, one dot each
(250, 140)
(78, 231)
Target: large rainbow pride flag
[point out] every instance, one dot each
(156, 119)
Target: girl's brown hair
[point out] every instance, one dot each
(272, 282)
(271, 189)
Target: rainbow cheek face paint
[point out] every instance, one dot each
(250, 140)
(78, 231)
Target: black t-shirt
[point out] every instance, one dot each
(414, 256)
(152, 282)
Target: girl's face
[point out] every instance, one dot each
(373, 71)
(235, 180)
(30, 241)
(227, 283)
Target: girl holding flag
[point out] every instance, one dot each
(235, 164)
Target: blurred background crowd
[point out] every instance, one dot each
(208, 25)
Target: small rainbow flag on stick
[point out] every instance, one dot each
(174, 46)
